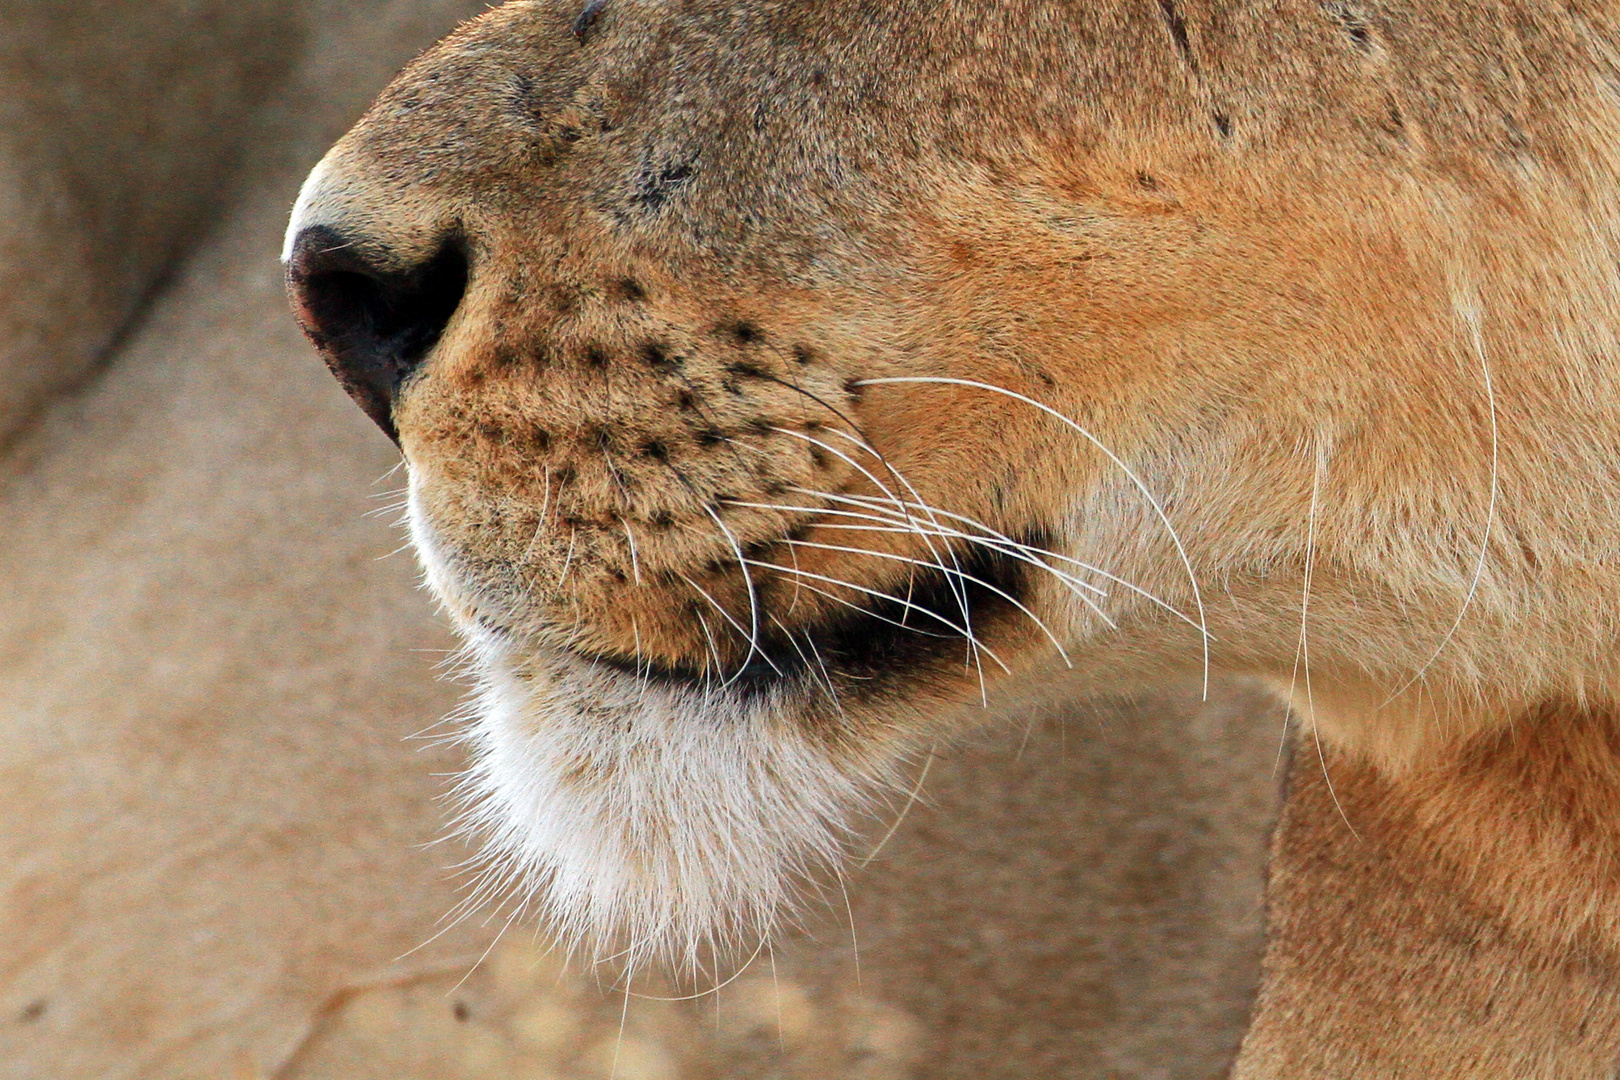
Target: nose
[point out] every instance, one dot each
(374, 317)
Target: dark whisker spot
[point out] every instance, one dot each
(587, 19)
(686, 401)
(629, 289)
(747, 370)
(853, 388)
(758, 549)
(655, 450)
(596, 356)
(802, 354)
(663, 519)
(746, 333)
(658, 358)
(710, 437)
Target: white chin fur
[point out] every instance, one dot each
(643, 820)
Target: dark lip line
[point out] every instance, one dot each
(867, 652)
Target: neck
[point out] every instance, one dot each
(1457, 918)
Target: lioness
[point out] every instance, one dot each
(779, 383)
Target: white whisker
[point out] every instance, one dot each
(1022, 552)
(568, 561)
(960, 596)
(948, 570)
(1164, 519)
(911, 799)
(753, 603)
(1003, 545)
(966, 633)
(1471, 318)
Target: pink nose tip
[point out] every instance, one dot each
(373, 319)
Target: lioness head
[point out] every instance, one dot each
(776, 380)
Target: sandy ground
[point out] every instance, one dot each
(214, 860)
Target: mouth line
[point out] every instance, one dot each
(872, 651)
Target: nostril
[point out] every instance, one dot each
(373, 321)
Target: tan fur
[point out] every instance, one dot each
(1300, 319)
(1459, 923)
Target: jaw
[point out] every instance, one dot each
(643, 818)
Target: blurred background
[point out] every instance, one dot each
(215, 856)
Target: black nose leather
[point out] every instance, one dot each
(374, 322)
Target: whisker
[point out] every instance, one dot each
(875, 504)
(1022, 552)
(1031, 556)
(1303, 654)
(635, 561)
(1164, 519)
(911, 800)
(735, 625)
(865, 444)
(944, 569)
(392, 469)
(956, 592)
(854, 945)
(753, 603)
(1471, 318)
(568, 562)
(894, 471)
(869, 613)
(887, 596)
(714, 651)
(826, 678)
(540, 519)
(718, 986)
